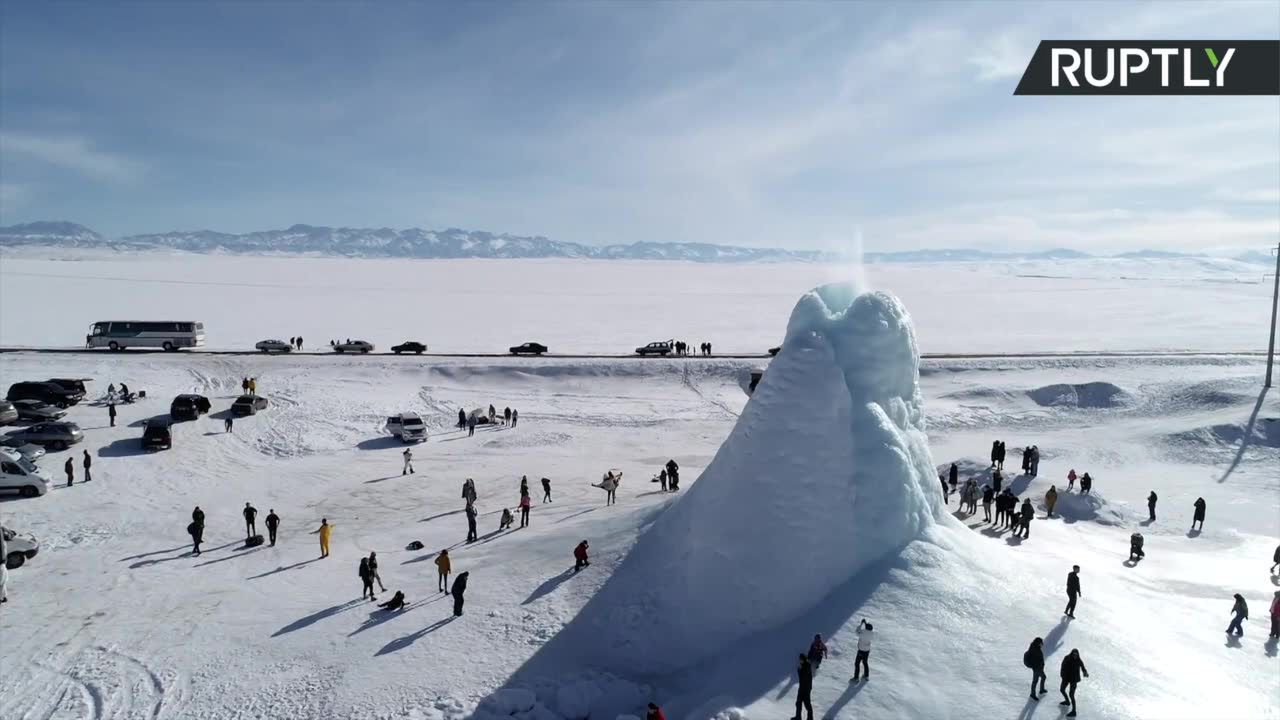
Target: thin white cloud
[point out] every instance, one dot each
(71, 152)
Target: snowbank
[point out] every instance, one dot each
(827, 470)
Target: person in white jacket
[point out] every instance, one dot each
(860, 667)
(408, 462)
(610, 486)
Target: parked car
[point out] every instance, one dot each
(529, 348)
(72, 384)
(360, 346)
(37, 411)
(55, 435)
(654, 348)
(408, 427)
(188, 407)
(8, 413)
(248, 405)
(21, 547)
(49, 392)
(412, 346)
(157, 434)
(270, 346)
(25, 449)
(18, 474)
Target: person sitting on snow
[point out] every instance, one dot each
(395, 603)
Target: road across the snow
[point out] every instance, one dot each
(634, 356)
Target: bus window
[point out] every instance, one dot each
(184, 327)
(100, 328)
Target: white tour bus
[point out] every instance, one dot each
(170, 335)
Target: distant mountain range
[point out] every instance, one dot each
(455, 243)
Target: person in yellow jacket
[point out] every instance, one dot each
(325, 529)
(1051, 499)
(443, 567)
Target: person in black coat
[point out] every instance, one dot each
(88, 464)
(459, 587)
(1073, 591)
(462, 418)
(1197, 518)
(1000, 462)
(366, 580)
(1072, 667)
(1033, 658)
(995, 452)
(111, 413)
(1151, 506)
(546, 490)
(273, 522)
(673, 475)
(804, 672)
(987, 496)
(250, 520)
(1028, 513)
(953, 477)
(395, 603)
(196, 531)
(471, 522)
(70, 467)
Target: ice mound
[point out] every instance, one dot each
(1084, 395)
(826, 471)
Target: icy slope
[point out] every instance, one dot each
(827, 471)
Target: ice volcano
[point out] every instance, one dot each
(827, 470)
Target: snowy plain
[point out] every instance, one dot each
(114, 619)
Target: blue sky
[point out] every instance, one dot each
(792, 125)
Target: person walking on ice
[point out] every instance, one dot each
(366, 580)
(1071, 479)
(273, 522)
(1151, 506)
(1072, 668)
(1033, 658)
(228, 424)
(373, 570)
(443, 566)
(861, 669)
(804, 673)
(1241, 612)
(325, 529)
(1073, 591)
(408, 462)
(471, 523)
(1199, 514)
(546, 498)
(459, 587)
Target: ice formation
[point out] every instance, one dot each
(827, 470)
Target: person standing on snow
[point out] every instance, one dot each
(546, 498)
(1072, 667)
(1050, 499)
(525, 502)
(408, 462)
(253, 386)
(1028, 513)
(987, 496)
(515, 418)
(953, 477)
(273, 522)
(325, 530)
(860, 667)
(250, 520)
(1033, 658)
(524, 484)
(299, 342)
(244, 386)
(366, 580)
(997, 479)
(1073, 591)
(580, 559)
(469, 491)
(945, 495)
(1151, 507)
(1275, 615)
(493, 415)
(1026, 460)
(471, 523)
(471, 426)
(1000, 464)
(610, 486)
(506, 416)
(443, 566)
(373, 570)
(1035, 460)
(462, 418)
(804, 673)
(1086, 484)
(1197, 518)
(1241, 611)
(673, 475)
(88, 473)
(459, 587)
(70, 468)
(817, 652)
(111, 413)
(1071, 479)
(196, 530)
(227, 424)
(995, 452)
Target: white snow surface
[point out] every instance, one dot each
(115, 619)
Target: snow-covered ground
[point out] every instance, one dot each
(580, 306)
(114, 618)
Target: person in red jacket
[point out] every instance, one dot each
(655, 713)
(580, 556)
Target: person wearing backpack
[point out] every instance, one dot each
(1033, 659)
(817, 652)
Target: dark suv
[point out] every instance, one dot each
(157, 435)
(47, 392)
(188, 407)
(72, 384)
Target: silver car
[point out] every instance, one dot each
(270, 346)
(37, 411)
(53, 435)
(360, 346)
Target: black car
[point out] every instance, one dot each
(248, 405)
(529, 348)
(188, 407)
(157, 434)
(48, 392)
(72, 384)
(412, 346)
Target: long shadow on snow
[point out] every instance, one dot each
(404, 642)
(845, 697)
(549, 586)
(124, 447)
(1246, 436)
(284, 568)
(739, 674)
(316, 617)
(381, 615)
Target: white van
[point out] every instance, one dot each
(19, 548)
(20, 474)
(408, 427)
